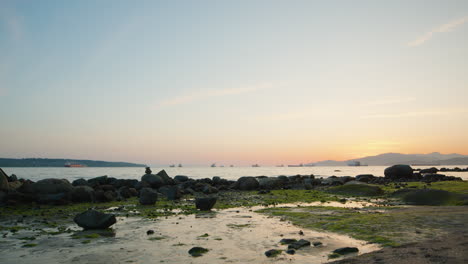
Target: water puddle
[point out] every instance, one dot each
(232, 236)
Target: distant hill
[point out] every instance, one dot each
(35, 162)
(388, 159)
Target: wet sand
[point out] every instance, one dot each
(232, 236)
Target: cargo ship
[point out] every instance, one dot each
(71, 165)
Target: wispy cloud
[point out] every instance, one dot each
(390, 101)
(428, 112)
(448, 27)
(188, 98)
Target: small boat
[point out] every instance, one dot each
(180, 165)
(213, 165)
(172, 166)
(255, 165)
(300, 165)
(231, 166)
(71, 165)
(280, 166)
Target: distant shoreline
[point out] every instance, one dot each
(60, 163)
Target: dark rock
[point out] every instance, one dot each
(93, 219)
(172, 192)
(142, 184)
(433, 177)
(197, 251)
(110, 196)
(317, 243)
(247, 183)
(430, 170)
(205, 204)
(181, 178)
(299, 244)
(148, 170)
(101, 180)
(291, 251)
(19, 197)
(133, 191)
(208, 189)
(26, 187)
(82, 194)
(3, 197)
(53, 198)
(150, 232)
(52, 186)
(155, 181)
(124, 192)
(334, 181)
(130, 183)
(106, 187)
(3, 181)
(14, 185)
(365, 177)
(270, 183)
(80, 182)
(287, 241)
(272, 253)
(345, 250)
(148, 196)
(398, 172)
(216, 180)
(12, 178)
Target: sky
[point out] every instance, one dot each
(232, 82)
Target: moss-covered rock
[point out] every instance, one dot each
(357, 190)
(434, 197)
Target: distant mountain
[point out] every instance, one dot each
(35, 162)
(388, 159)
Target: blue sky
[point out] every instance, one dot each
(232, 81)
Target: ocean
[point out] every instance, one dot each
(230, 173)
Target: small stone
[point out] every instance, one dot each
(301, 233)
(345, 250)
(197, 251)
(291, 251)
(272, 253)
(287, 241)
(299, 244)
(150, 232)
(317, 243)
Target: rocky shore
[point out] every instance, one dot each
(106, 189)
(57, 207)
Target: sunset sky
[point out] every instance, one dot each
(232, 82)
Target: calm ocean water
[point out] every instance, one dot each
(205, 172)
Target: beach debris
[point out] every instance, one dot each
(345, 250)
(92, 219)
(148, 196)
(205, 203)
(197, 251)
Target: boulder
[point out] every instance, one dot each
(157, 180)
(181, 178)
(148, 196)
(172, 192)
(272, 253)
(14, 185)
(12, 178)
(270, 183)
(124, 192)
(433, 197)
(52, 186)
(365, 177)
(205, 204)
(397, 172)
(3, 197)
(26, 187)
(3, 181)
(93, 219)
(82, 194)
(208, 189)
(80, 182)
(433, 177)
(430, 170)
(247, 183)
(101, 180)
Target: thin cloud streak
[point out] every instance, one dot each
(390, 101)
(431, 112)
(440, 29)
(185, 99)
